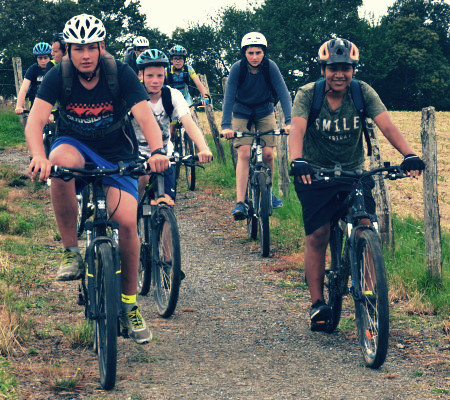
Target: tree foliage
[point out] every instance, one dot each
(404, 56)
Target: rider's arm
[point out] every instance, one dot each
(297, 133)
(201, 88)
(395, 137)
(204, 153)
(280, 87)
(150, 128)
(37, 119)
(21, 96)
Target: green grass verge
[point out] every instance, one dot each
(11, 132)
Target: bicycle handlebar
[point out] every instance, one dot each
(206, 100)
(274, 132)
(133, 169)
(393, 172)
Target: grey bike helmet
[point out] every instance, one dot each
(84, 29)
(178, 50)
(42, 49)
(152, 58)
(338, 50)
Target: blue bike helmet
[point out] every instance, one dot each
(42, 49)
(152, 58)
(178, 50)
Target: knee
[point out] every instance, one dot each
(319, 238)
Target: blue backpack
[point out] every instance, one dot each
(358, 101)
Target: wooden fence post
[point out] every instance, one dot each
(381, 194)
(209, 110)
(17, 67)
(430, 194)
(282, 155)
(233, 151)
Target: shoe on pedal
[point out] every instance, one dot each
(319, 314)
(240, 211)
(276, 202)
(132, 325)
(71, 266)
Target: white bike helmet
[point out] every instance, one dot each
(84, 29)
(253, 39)
(140, 41)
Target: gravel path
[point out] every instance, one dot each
(233, 335)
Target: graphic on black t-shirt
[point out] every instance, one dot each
(91, 117)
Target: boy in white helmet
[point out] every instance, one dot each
(251, 102)
(91, 128)
(140, 44)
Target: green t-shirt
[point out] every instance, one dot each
(335, 136)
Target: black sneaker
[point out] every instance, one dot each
(320, 312)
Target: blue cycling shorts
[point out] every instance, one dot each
(125, 183)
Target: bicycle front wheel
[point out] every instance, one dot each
(372, 309)
(82, 201)
(106, 323)
(145, 258)
(252, 220)
(177, 147)
(263, 214)
(166, 261)
(190, 171)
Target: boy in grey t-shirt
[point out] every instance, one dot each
(334, 137)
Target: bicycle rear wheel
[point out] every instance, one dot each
(106, 323)
(263, 213)
(190, 171)
(372, 309)
(145, 259)
(166, 261)
(252, 220)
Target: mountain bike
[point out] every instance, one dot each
(259, 190)
(100, 287)
(356, 251)
(160, 259)
(184, 146)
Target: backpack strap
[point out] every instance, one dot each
(358, 101)
(318, 97)
(109, 68)
(67, 74)
(166, 97)
(184, 71)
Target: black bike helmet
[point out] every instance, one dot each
(338, 50)
(59, 37)
(152, 58)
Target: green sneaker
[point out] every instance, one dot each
(133, 325)
(71, 266)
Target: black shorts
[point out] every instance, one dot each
(321, 201)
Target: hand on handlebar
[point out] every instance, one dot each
(19, 110)
(413, 165)
(158, 163)
(228, 133)
(41, 166)
(205, 156)
(302, 171)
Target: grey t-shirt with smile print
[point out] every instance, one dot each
(335, 136)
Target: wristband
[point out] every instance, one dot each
(159, 151)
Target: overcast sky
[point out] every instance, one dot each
(179, 13)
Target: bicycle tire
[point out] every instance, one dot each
(263, 214)
(252, 220)
(178, 147)
(166, 261)
(190, 171)
(145, 258)
(372, 310)
(82, 200)
(332, 281)
(107, 303)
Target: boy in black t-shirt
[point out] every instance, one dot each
(34, 75)
(91, 128)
